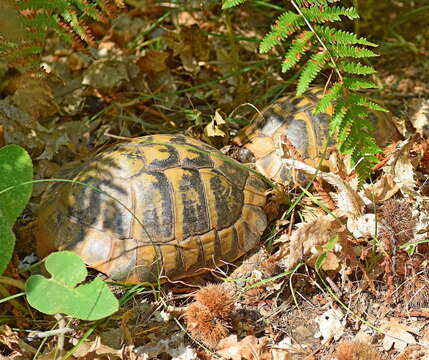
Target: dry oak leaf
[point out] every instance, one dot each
(247, 349)
(396, 335)
(307, 237)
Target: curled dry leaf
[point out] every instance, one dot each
(107, 74)
(92, 348)
(172, 346)
(330, 325)
(350, 350)
(401, 168)
(383, 189)
(348, 201)
(308, 238)
(153, 61)
(250, 348)
(191, 46)
(35, 97)
(396, 335)
(420, 117)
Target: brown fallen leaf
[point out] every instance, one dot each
(153, 61)
(250, 348)
(307, 240)
(397, 335)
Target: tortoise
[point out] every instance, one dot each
(169, 205)
(261, 141)
(161, 205)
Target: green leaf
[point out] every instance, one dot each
(331, 95)
(356, 68)
(227, 4)
(337, 119)
(360, 100)
(16, 168)
(311, 69)
(332, 13)
(335, 36)
(358, 83)
(320, 261)
(285, 25)
(341, 50)
(7, 243)
(60, 293)
(296, 50)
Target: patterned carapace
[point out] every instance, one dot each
(157, 205)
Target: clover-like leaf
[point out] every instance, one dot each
(7, 243)
(16, 171)
(16, 168)
(63, 294)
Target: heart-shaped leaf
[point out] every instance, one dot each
(16, 168)
(7, 243)
(62, 294)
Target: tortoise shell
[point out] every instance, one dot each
(261, 141)
(157, 205)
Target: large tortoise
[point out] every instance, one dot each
(157, 205)
(169, 205)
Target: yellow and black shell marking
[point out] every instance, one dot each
(291, 116)
(157, 205)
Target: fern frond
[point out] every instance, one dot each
(311, 69)
(328, 14)
(356, 68)
(306, 3)
(350, 51)
(336, 36)
(227, 4)
(68, 18)
(360, 100)
(328, 47)
(296, 50)
(358, 83)
(362, 147)
(330, 96)
(338, 118)
(284, 26)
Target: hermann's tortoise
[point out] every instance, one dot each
(165, 197)
(170, 205)
(291, 116)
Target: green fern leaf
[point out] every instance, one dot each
(331, 95)
(227, 4)
(296, 50)
(356, 68)
(350, 51)
(309, 72)
(358, 83)
(87, 9)
(304, 3)
(338, 118)
(336, 36)
(285, 25)
(329, 14)
(360, 100)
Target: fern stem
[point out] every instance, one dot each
(318, 39)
